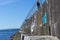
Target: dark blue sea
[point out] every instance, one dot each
(5, 34)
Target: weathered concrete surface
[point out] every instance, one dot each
(47, 37)
(55, 17)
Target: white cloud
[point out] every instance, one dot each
(5, 2)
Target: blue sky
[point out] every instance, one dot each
(13, 12)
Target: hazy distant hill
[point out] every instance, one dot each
(5, 34)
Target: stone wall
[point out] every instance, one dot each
(55, 17)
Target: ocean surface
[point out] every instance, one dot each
(5, 34)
